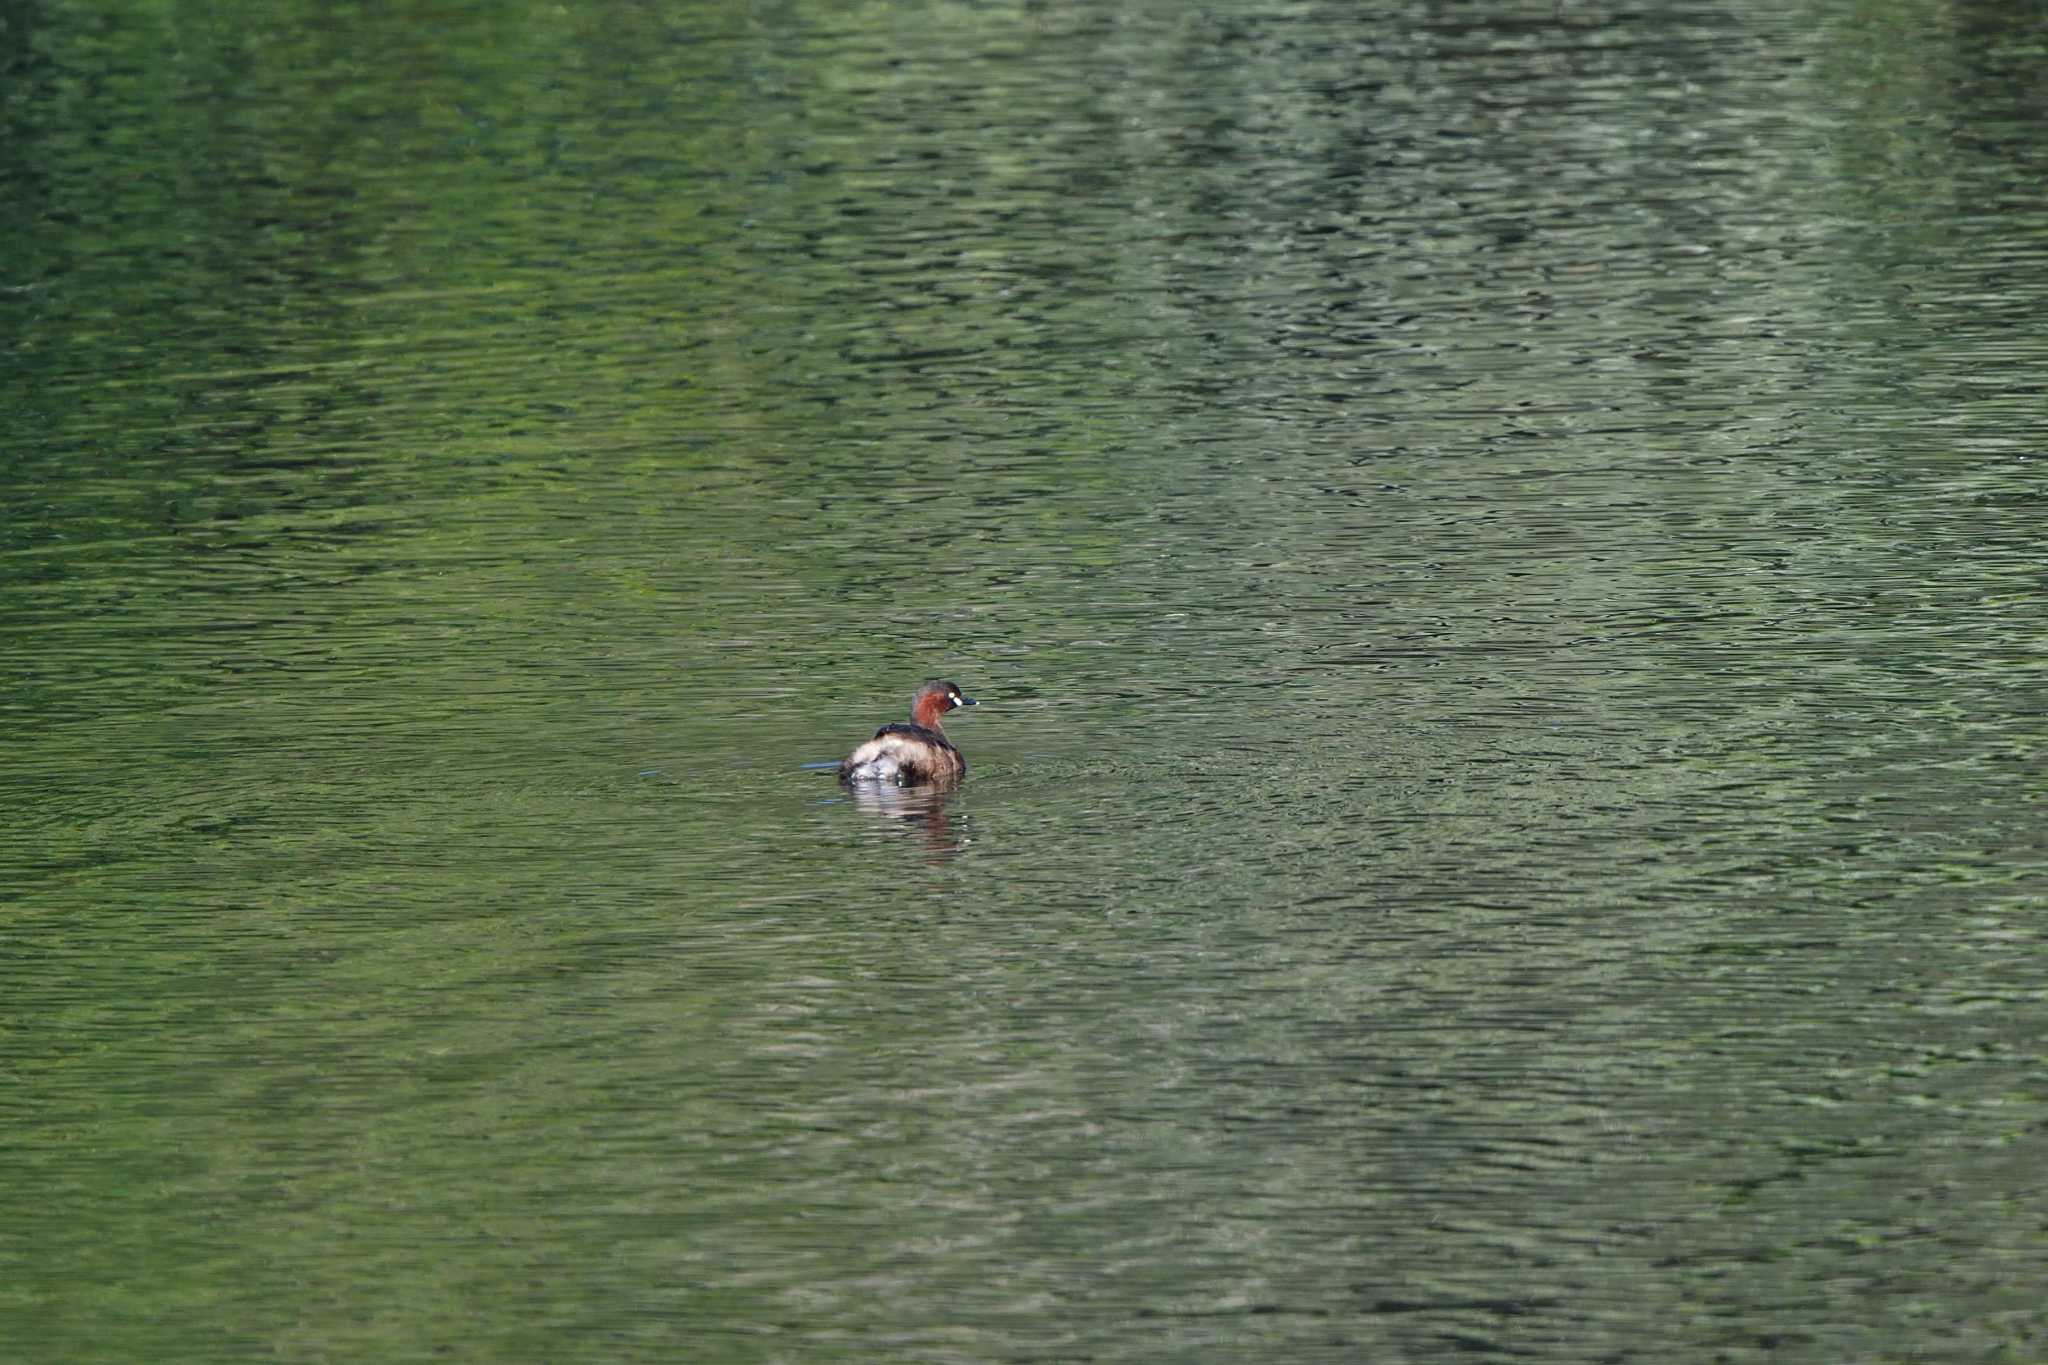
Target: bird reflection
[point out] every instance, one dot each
(913, 810)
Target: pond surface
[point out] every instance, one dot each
(1500, 548)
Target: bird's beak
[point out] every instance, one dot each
(967, 701)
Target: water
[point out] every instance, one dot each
(1498, 551)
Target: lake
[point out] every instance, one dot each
(1499, 548)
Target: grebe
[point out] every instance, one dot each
(914, 754)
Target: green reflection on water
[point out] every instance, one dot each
(1504, 808)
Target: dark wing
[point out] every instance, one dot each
(916, 732)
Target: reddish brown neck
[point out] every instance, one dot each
(928, 709)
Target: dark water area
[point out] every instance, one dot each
(1500, 551)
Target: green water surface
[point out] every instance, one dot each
(1500, 547)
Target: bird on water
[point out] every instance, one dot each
(917, 754)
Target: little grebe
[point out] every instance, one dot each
(914, 754)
